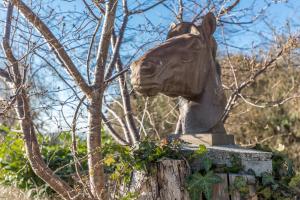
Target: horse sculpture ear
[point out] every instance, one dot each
(172, 26)
(194, 30)
(209, 24)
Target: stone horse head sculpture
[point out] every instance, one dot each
(185, 65)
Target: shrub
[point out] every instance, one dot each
(16, 170)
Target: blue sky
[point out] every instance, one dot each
(277, 14)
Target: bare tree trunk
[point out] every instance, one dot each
(166, 183)
(96, 172)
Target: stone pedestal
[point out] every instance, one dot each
(208, 139)
(258, 161)
(168, 180)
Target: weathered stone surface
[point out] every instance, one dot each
(258, 161)
(208, 139)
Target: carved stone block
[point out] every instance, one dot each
(208, 139)
(258, 161)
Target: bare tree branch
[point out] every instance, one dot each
(180, 11)
(117, 41)
(55, 44)
(96, 170)
(74, 149)
(251, 79)
(5, 75)
(104, 42)
(112, 131)
(146, 9)
(90, 10)
(229, 8)
(88, 60)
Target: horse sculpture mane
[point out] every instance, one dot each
(185, 66)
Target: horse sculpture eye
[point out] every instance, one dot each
(186, 58)
(148, 70)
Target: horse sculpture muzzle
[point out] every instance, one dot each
(143, 77)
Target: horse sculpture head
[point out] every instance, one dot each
(179, 66)
(185, 65)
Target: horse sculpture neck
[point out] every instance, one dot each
(203, 114)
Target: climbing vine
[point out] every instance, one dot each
(121, 161)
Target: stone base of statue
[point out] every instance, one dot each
(168, 181)
(250, 160)
(208, 139)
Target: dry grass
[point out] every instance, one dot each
(11, 193)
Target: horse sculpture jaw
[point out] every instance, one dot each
(147, 90)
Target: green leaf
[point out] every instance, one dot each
(201, 150)
(236, 164)
(267, 179)
(193, 185)
(295, 181)
(207, 164)
(266, 193)
(240, 184)
(109, 160)
(198, 184)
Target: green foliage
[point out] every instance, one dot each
(282, 167)
(282, 183)
(240, 185)
(13, 164)
(149, 152)
(201, 151)
(295, 181)
(199, 183)
(267, 179)
(266, 193)
(236, 165)
(16, 169)
(207, 164)
(130, 196)
(121, 161)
